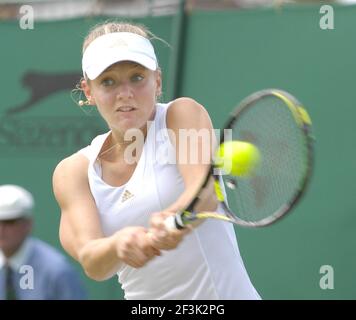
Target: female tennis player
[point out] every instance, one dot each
(116, 193)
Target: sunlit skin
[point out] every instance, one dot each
(12, 235)
(125, 95)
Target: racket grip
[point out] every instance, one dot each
(174, 223)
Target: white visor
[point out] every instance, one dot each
(115, 47)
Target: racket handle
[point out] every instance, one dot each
(174, 223)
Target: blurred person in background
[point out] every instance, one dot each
(30, 269)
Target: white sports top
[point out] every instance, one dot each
(207, 263)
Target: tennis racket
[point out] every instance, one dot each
(278, 125)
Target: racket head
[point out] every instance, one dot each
(277, 124)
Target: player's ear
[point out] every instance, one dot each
(87, 91)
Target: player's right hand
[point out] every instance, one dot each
(133, 246)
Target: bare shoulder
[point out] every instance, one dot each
(70, 174)
(184, 104)
(76, 164)
(187, 112)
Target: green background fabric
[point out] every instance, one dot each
(227, 56)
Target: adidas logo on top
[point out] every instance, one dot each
(127, 195)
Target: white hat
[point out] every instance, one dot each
(115, 47)
(15, 202)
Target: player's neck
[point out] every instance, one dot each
(115, 145)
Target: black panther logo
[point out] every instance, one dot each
(33, 134)
(43, 85)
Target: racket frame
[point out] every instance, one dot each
(181, 219)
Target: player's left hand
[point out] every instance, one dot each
(161, 237)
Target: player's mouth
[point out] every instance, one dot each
(125, 109)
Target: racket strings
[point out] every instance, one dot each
(271, 126)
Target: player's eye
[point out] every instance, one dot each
(137, 77)
(107, 82)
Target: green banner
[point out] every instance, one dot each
(227, 56)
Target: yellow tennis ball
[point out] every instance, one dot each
(237, 158)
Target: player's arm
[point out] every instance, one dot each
(187, 118)
(80, 228)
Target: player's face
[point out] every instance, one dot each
(125, 95)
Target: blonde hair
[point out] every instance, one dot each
(111, 27)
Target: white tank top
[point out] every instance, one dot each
(206, 265)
